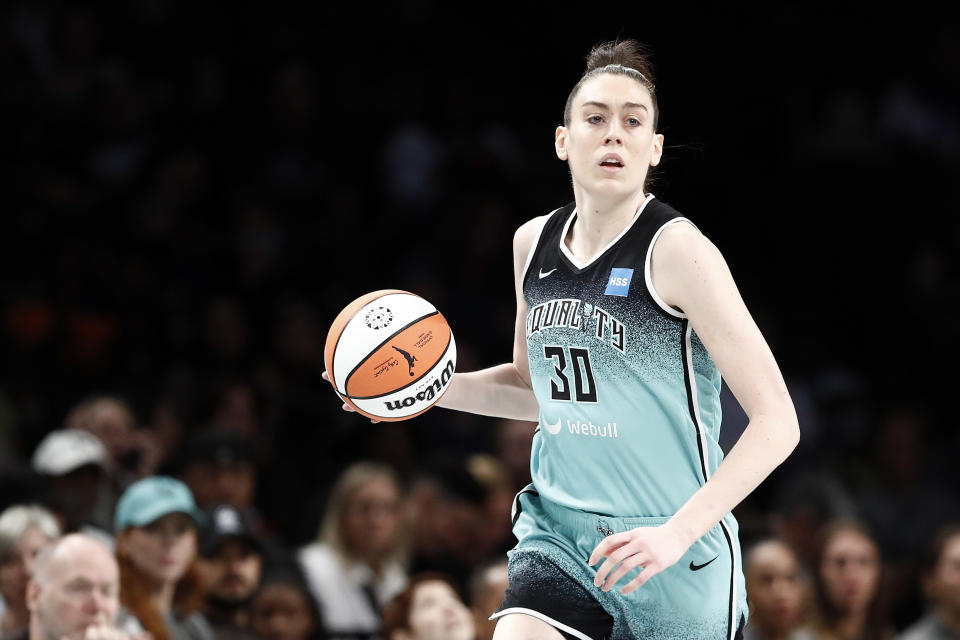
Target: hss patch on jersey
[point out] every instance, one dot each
(619, 282)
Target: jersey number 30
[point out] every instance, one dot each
(585, 387)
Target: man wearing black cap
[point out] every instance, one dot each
(230, 563)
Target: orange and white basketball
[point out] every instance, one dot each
(390, 355)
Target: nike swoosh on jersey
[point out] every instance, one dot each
(697, 567)
(544, 275)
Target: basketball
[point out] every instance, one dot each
(390, 355)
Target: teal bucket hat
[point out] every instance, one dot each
(151, 498)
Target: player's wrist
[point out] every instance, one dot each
(681, 531)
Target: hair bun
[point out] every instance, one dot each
(627, 53)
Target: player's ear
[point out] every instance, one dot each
(560, 143)
(657, 149)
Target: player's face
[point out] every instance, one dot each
(850, 571)
(610, 143)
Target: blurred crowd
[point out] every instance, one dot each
(178, 560)
(189, 200)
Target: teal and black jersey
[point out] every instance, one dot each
(629, 422)
(629, 397)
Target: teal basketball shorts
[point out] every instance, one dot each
(701, 597)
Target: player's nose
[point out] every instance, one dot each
(614, 133)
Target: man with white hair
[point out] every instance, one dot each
(74, 592)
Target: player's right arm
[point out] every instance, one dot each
(503, 391)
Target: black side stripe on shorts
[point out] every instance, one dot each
(733, 572)
(516, 502)
(689, 382)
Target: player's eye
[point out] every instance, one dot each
(633, 122)
(595, 119)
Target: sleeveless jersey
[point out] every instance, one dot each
(629, 397)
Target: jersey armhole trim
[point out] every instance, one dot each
(533, 247)
(543, 618)
(648, 276)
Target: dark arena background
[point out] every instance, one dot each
(192, 191)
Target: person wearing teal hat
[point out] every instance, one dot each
(156, 524)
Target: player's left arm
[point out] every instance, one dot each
(690, 274)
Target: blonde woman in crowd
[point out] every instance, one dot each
(356, 564)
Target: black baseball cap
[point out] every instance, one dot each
(226, 521)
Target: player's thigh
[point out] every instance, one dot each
(520, 626)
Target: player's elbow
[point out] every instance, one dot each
(789, 429)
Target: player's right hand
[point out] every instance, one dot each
(346, 407)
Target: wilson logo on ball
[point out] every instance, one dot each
(427, 394)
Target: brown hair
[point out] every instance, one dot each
(396, 615)
(931, 556)
(827, 614)
(625, 58)
(135, 597)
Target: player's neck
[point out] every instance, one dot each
(599, 221)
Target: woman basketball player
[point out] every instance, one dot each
(626, 316)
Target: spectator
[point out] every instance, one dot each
(488, 586)
(24, 531)
(495, 533)
(156, 524)
(230, 564)
(134, 453)
(73, 593)
(777, 592)
(355, 566)
(283, 609)
(428, 609)
(941, 585)
(449, 507)
(77, 467)
(219, 466)
(847, 584)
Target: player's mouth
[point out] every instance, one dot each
(611, 162)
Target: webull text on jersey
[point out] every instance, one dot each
(589, 429)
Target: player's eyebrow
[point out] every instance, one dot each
(626, 105)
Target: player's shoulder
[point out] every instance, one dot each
(681, 244)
